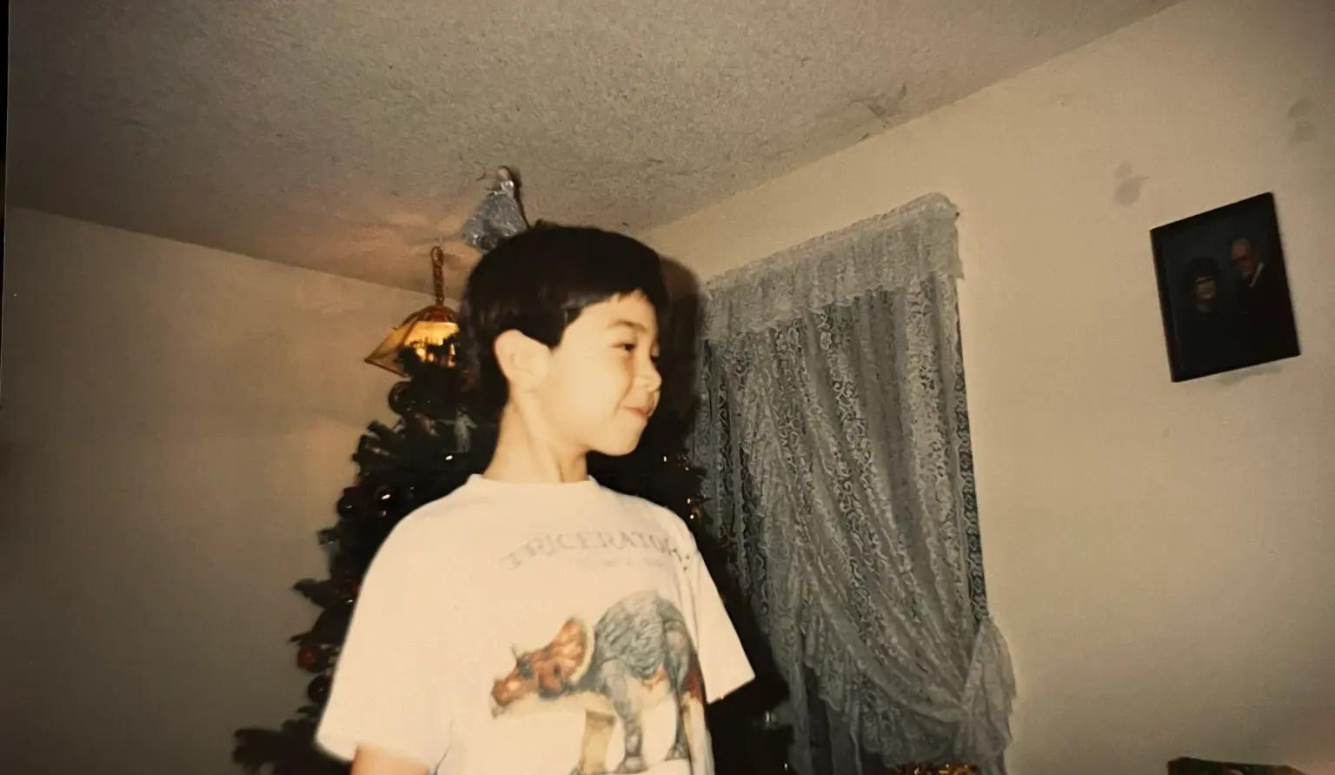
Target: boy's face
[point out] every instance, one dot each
(601, 383)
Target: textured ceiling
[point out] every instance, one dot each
(349, 135)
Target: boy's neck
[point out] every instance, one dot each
(524, 457)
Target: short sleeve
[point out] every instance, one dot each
(383, 694)
(722, 660)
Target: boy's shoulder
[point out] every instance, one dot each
(633, 506)
(446, 511)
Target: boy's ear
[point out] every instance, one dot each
(522, 359)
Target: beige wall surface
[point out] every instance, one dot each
(1159, 555)
(176, 424)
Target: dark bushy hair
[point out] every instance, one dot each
(1199, 267)
(538, 282)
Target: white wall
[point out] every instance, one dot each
(176, 424)
(1160, 556)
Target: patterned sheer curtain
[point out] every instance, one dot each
(834, 437)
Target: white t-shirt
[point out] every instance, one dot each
(536, 629)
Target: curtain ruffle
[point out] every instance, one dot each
(881, 252)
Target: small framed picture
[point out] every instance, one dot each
(1223, 289)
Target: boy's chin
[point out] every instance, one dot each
(618, 447)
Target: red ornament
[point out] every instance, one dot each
(307, 658)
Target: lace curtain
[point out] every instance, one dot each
(834, 437)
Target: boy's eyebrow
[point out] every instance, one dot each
(623, 322)
(632, 324)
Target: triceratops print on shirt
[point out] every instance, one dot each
(639, 654)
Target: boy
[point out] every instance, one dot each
(533, 622)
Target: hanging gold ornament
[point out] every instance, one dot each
(427, 327)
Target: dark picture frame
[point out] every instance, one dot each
(1224, 289)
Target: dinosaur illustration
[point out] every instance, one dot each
(638, 655)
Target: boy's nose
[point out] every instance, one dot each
(651, 376)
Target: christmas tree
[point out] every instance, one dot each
(431, 450)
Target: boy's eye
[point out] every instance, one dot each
(631, 347)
